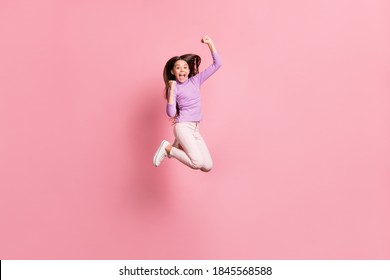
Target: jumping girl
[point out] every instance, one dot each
(182, 91)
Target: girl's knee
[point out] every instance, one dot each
(202, 164)
(207, 167)
(197, 163)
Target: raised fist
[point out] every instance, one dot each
(172, 84)
(206, 40)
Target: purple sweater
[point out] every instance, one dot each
(187, 94)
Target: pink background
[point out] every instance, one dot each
(297, 120)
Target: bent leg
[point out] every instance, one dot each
(191, 154)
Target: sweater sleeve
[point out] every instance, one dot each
(205, 74)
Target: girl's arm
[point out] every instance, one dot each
(207, 40)
(171, 92)
(204, 75)
(171, 100)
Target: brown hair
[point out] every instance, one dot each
(193, 62)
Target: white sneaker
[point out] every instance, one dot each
(161, 153)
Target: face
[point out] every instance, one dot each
(181, 71)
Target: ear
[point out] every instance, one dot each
(172, 72)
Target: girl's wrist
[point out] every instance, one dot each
(212, 47)
(171, 97)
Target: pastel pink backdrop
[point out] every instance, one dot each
(297, 120)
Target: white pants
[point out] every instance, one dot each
(194, 152)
